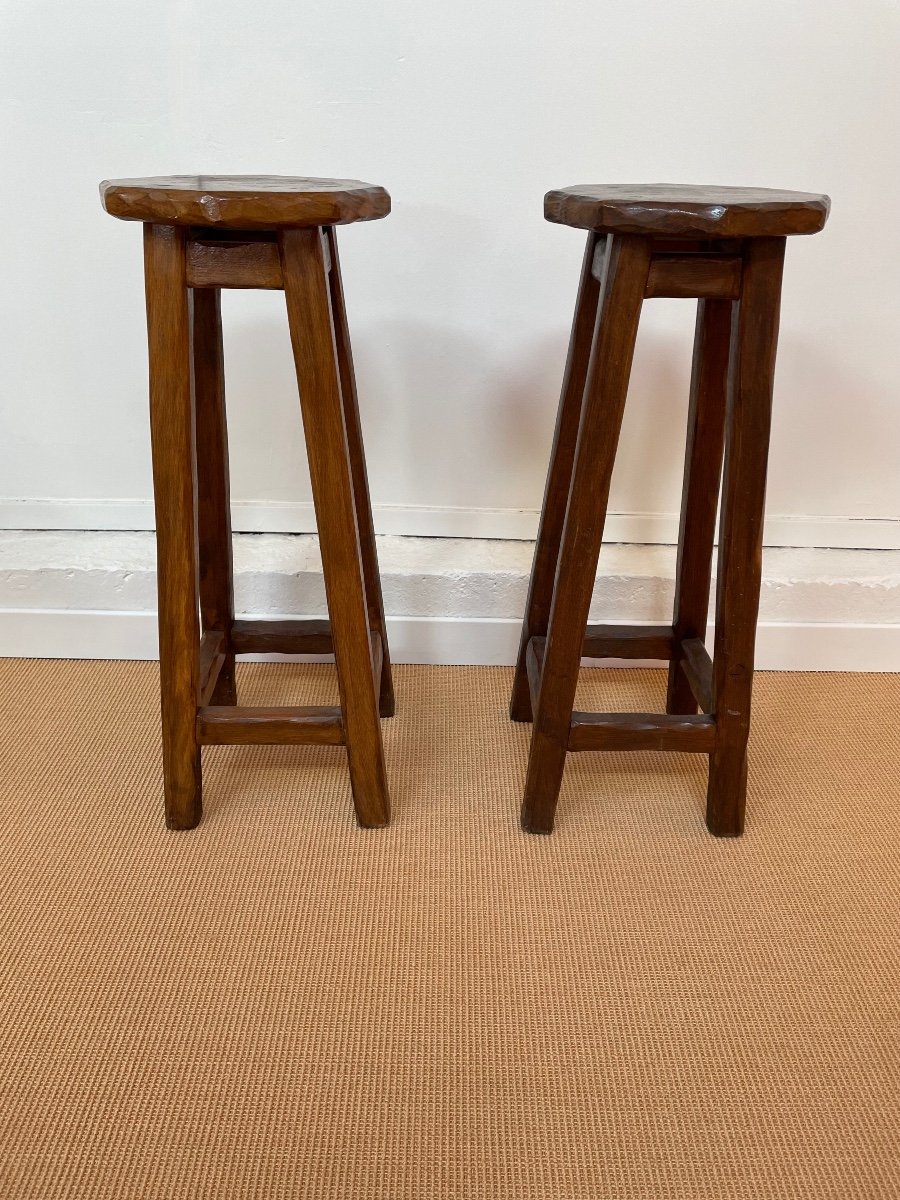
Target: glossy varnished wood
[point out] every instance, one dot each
(686, 276)
(174, 485)
(559, 476)
(699, 503)
(534, 666)
(358, 473)
(309, 305)
(201, 235)
(244, 201)
(213, 486)
(624, 731)
(696, 665)
(641, 731)
(739, 570)
(309, 726)
(236, 264)
(726, 248)
(686, 210)
(283, 637)
(212, 660)
(627, 641)
(626, 268)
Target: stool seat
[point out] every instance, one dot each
(686, 210)
(244, 201)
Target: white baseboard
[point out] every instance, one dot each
(420, 520)
(483, 641)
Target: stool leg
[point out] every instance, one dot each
(739, 572)
(702, 469)
(368, 551)
(312, 335)
(175, 489)
(559, 478)
(213, 507)
(622, 292)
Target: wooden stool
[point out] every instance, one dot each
(724, 246)
(200, 235)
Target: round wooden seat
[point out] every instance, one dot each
(686, 210)
(244, 201)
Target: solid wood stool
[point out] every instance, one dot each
(725, 247)
(202, 234)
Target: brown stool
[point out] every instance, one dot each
(202, 234)
(724, 246)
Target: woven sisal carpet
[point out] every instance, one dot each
(282, 1005)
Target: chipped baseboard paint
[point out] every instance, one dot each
(92, 595)
(428, 521)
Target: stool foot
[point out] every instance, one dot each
(520, 703)
(184, 802)
(546, 763)
(727, 793)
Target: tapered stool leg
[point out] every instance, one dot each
(312, 334)
(751, 377)
(368, 551)
(624, 282)
(174, 483)
(213, 492)
(700, 500)
(559, 477)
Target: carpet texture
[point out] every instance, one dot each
(280, 1004)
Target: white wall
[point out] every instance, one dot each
(460, 301)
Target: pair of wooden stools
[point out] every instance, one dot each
(721, 246)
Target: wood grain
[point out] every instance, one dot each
(534, 665)
(685, 276)
(212, 660)
(628, 641)
(312, 335)
(641, 731)
(244, 201)
(213, 486)
(696, 665)
(684, 210)
(175, 491)
(699, 502)
(622, 293)
(726, 247)
(559, 477)
(751, 379)
(305, 726)
(234, 265)
(359, 475)
(282, 637)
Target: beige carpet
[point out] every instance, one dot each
(282, 1005)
